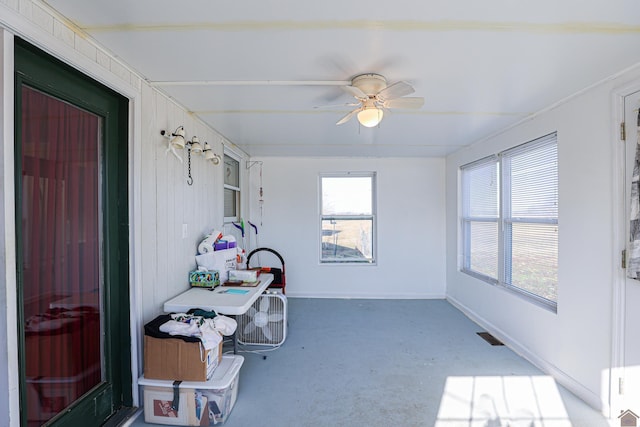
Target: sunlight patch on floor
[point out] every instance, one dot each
(500, 401)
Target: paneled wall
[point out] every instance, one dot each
(170, 206)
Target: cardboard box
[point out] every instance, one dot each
(192, 407)
(178, 360)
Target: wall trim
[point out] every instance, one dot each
(9, 311)
(364, 295)
(619, 238)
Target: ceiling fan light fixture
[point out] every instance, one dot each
(370, 116)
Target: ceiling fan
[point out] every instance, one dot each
(374, 96)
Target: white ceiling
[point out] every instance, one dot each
(254, 70)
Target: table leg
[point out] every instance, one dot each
(235, 338)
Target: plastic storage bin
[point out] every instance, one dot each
(221, 391)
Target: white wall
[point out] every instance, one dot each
(410, 229)
(574, 344)
(169, 203)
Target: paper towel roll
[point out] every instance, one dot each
(206, 246)
(208, 243)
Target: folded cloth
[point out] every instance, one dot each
(225, 325)
(174, 327)
(152, 329)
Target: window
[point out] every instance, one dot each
(231, 189)
(347, 217)
(480, 218)
(510, 219)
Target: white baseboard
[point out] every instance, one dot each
(394, 295)
(575, 387)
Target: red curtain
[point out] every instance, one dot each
(60, 151)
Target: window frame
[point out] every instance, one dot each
(467, 220)
(372, 217)
(506, 220)
(238, 191)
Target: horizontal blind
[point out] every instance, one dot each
(480, 212)
(530, 217)
(480, 189)
(532, 169)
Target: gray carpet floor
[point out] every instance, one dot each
(394, 363)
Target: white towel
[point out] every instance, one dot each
(208, 335)
(225, 325)
(173, 327)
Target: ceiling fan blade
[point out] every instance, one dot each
(348, 116)
(395, 90)
(355, 91)
(408, 102)
(350, 104)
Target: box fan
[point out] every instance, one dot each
(265, 323)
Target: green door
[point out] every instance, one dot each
(72, 244)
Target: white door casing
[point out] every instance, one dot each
(629, 387)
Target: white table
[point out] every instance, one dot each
(219, 299)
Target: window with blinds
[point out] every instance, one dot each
(480, 216)
(510, 219)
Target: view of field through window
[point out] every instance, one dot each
(518, 225)
(347, 218)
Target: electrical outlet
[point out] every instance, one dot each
(185, 231)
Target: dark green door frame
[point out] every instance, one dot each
(49, 75)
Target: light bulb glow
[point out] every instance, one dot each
(370, 116)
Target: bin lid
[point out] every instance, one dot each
(223, 376)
